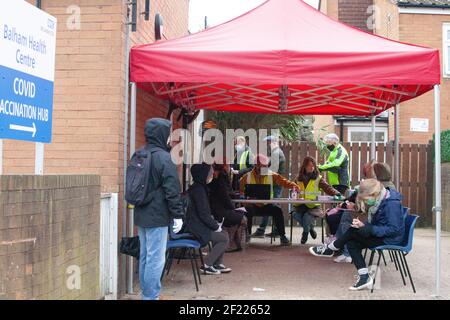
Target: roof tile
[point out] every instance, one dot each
(424, 3)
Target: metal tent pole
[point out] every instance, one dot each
(131, 211)
(438, 205)
(397, 147)
(129, 287)
(372, 145)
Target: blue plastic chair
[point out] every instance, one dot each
(399, 252)
(186, 243)
(391, 254)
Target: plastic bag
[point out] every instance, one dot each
(130, 246)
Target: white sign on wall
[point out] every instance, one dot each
(419, 125)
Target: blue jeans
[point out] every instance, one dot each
(153, 243)
(306, 216)
(277, 193)
(344, 225)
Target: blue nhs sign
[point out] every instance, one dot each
(26, 105)
(27, 71)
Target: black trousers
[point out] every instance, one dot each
(267, 210)
(356, 241)
(333, 222)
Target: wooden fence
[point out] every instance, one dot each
(416, 170)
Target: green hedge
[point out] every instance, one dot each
(445, 146)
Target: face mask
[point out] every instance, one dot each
(239, 148)
(371, 202)
(330, 147)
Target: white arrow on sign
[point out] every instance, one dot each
(23, 128)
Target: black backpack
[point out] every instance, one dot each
(138, 175)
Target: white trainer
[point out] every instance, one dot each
(343, 259)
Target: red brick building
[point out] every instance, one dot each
(422, 22)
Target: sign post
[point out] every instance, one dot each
(27, 73)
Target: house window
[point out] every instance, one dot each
(446, 49)
(362, 134)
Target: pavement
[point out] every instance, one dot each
(264, 271)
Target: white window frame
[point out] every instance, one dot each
(367, 129)
(445, 50)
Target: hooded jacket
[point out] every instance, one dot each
(220, 201)
(166, 201)
(199, 220)
(389, 220)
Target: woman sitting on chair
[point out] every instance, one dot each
(234, 221)
(310, 182)
(200, 222)
(384, 224)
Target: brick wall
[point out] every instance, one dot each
(176, 22)
(47, 225)
(351, 12)
(386, 19)
(423, 29)
(354, 13)
(90, 87)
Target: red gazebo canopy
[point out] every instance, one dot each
(285, 57)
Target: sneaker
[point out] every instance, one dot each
(329, 239)
(313, 233)
(304, 237)
(321, 251)
(209, 270)
(222, 268)
(284, 241)
(364, 282)
(258, 234)
(343, 259)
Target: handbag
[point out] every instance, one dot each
(130, 246)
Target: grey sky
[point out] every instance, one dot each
(220, 11)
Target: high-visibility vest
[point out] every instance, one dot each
(267, 179)
(311, 192)
(333, 177)
(243, 160)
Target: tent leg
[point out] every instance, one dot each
(397, 147)
(131, 211)
(372, 145)
(438, 205)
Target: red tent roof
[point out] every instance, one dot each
(285, 56)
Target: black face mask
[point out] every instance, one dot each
(331, 147)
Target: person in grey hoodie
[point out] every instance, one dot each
(154, 218)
